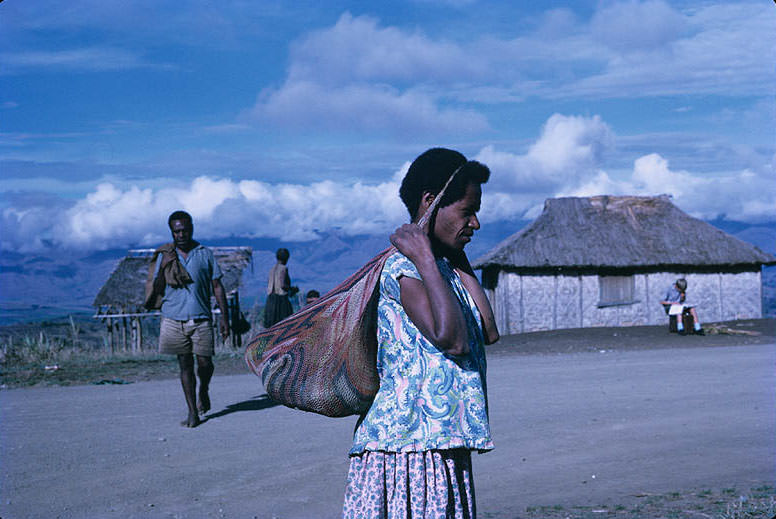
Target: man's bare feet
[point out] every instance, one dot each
(191, 421)
(204, 402)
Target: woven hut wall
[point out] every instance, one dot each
(529, 303)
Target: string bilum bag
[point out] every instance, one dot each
(323, 358)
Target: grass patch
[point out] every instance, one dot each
(750, 507)
(65, 357)
(727, 503)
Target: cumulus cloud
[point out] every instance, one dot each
(745, 195)
(359, 107)
(567, 159)
(569, 148)
(632, 49)
(631, 26)
(357, 76)
(715, 49)
(24, 229)
(359, 49)
(360, 75)
(115, 217)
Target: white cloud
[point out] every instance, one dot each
(568, 149)
(24, 229)
(567, 159)
(728, 52)
(111, 216)
(93, 58)
(357, 76)
(632, 25)
(357, 107)
(745, 195)
(631, 49)
(358, 49)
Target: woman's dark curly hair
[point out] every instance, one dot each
(432, 169)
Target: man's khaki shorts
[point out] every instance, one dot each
(181, 337)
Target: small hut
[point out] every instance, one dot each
(609, 260)
(120, 300)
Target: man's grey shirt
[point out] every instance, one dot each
(673, 295)
(193, 300)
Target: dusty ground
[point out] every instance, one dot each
(633, 338)
(682, 432)
(128, 369)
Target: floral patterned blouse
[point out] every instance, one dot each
(427, 399)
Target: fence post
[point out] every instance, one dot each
(111, 338)
(140, 334)
(123, 333)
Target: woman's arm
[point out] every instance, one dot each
(286, 284)
(430, 303)
(472, 284)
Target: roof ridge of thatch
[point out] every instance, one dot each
(619, 231)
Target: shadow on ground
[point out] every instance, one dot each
(256, 403)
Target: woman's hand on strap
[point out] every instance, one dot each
(412, 241)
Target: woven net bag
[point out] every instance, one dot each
(323, 358)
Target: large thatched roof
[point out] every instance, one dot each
(124, 290)
(619, 232)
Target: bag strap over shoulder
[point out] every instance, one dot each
(426, 218)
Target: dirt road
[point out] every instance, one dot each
(575, 429)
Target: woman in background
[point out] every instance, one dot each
(278, 306)
(411, 454)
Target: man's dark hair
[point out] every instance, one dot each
(282, 254)
(431, 170)
(312, 293)
(179, 215)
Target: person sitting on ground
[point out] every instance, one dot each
(675, 296)
(311, 296)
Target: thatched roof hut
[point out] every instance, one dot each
(124, 290)
(608, 260)
(619, 232)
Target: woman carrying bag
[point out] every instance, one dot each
(411, 453)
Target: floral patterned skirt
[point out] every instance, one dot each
(435, 484)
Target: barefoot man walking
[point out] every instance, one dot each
(186, 275)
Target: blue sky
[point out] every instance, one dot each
(283, 119)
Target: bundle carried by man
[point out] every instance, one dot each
(170, 269)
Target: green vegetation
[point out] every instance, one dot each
(751, 507)
(76, 351)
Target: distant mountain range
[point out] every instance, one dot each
(56, 283)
